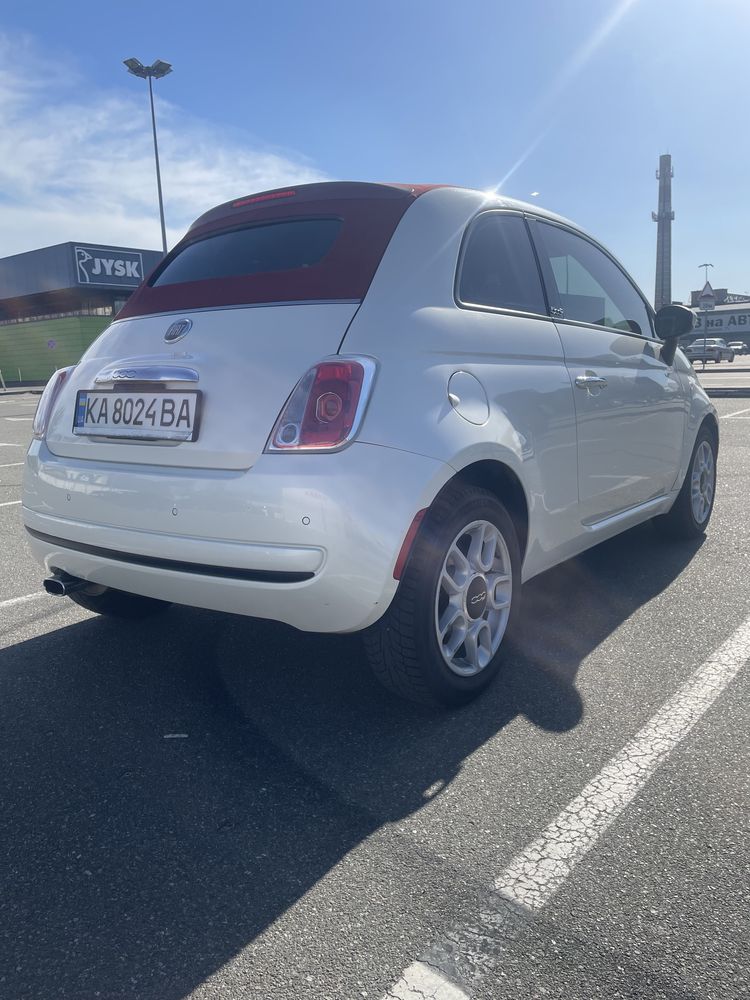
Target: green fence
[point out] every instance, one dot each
(37, 348)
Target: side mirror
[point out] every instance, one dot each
(671, 323)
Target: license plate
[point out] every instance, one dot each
(148, 416)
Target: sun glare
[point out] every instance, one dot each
(567, 74)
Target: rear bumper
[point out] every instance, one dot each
(310, 540)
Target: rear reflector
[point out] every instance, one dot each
(406, 548)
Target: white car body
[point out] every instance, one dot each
(313, 539)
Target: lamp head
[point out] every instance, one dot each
(160, 68)
(157, 70)
(136, 67)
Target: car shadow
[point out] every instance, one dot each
(170, 790)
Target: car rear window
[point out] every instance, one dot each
(316, 243)
(276, 246)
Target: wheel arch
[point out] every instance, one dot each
(712, 423)
(497, 477)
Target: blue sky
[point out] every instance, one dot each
(574, 99)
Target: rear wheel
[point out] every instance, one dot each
(117, 603)
(692, 509)
(441, 642)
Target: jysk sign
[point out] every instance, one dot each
(104, 266)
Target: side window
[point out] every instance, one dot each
(591, 287)
(499, 268)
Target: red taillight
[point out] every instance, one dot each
(47, 401)
(329, 407)
(326, 407)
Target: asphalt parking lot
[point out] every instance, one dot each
(206, 806)
(729, 378)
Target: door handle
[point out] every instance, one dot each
(591, 382)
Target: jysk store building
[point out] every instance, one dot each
(55, 301)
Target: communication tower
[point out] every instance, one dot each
(663, 219)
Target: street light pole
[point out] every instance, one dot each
(158, 171)
(706, 266)
(156, 71)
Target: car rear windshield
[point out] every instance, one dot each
(316, 243)
(276, 246)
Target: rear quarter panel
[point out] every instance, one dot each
(411, 324)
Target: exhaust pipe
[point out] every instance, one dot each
(61, 584)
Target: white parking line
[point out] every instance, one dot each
(726, 416)
(22, 600)
(10, 465)
(10, 444)
(465, 955)
(16, 418)
(9, 503)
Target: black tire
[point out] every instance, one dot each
(118, 604)
(681, 521)
(403, 647)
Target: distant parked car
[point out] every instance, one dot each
(738, 346)
(709, 349)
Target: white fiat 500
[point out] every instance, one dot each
(368, 407)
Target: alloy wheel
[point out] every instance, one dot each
(702, 482)
(473, 599)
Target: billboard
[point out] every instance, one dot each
(728, 322)
(109, 266)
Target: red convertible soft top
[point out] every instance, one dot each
(367, 215)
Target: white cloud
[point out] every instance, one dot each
(74, 168)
